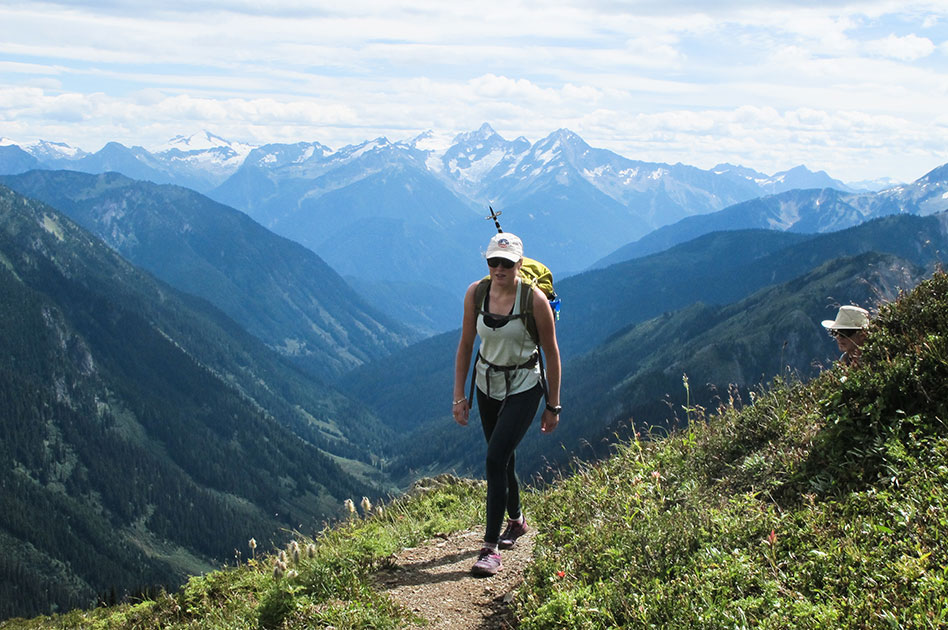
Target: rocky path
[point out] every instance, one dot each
(434, 581)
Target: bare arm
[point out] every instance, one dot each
(462, 360)
(546, 330)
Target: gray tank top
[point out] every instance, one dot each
(506, 345)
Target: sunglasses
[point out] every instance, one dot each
(503, 262)
(844, 332)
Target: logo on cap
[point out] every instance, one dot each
(503, 243)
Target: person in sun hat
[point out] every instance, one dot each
(509, 384)
(849, 330)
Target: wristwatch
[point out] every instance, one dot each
(554, 410)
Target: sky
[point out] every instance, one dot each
(858, 89)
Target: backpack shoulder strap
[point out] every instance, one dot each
(480, 292)
(526, 308)
(525, 311)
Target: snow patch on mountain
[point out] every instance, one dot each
(474, 171)
(46, 150)
(549, 155)
(358, 151)
(200, 141)
(431, 141)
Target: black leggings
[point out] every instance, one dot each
(504, 423)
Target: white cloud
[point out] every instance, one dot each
(907, 48)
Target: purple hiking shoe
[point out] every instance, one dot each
(488, 563)
(515, 529)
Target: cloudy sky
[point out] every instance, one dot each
(859, 89)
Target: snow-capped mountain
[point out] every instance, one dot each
(471, 158)
(800, 210)
(204, 159)
(46, 151)
(200, 141)
(926, 195)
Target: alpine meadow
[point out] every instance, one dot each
(225, 375)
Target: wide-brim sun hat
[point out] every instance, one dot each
(848, 318)
(505, 245)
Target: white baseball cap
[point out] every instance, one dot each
(848, 318)
(505, 245)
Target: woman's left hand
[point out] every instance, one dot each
(548, 421)
(460, 411)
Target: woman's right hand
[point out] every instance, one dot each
(460, 411)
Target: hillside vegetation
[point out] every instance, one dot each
(810, 505)
(142, 432)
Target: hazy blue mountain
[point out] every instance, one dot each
(821, 210)
(134, 162)
(716, 269)
(427, 309)
(473, 156)
(278, 290)
(374, 213)
(875, 185)
(257, 180)
(14, 160)
(722, 267)
(575, 202)
(798, 177)
(48, 152)
(396, 224)
(146, 435)
(364, 207)
(202, 160)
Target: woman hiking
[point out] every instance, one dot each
(509, 383)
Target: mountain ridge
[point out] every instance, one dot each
(278, 290)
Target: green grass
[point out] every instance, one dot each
(812, 505)
(821, 505)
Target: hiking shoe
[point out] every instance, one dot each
(488, 563)
(515, 529)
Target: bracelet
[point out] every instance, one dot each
(460, 400)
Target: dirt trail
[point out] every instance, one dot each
(434, 581)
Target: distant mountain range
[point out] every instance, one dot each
(412, 212)
(147, 436)
(804, 211)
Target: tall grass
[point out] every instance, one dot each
(821, 505)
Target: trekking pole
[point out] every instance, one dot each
(494, 215)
